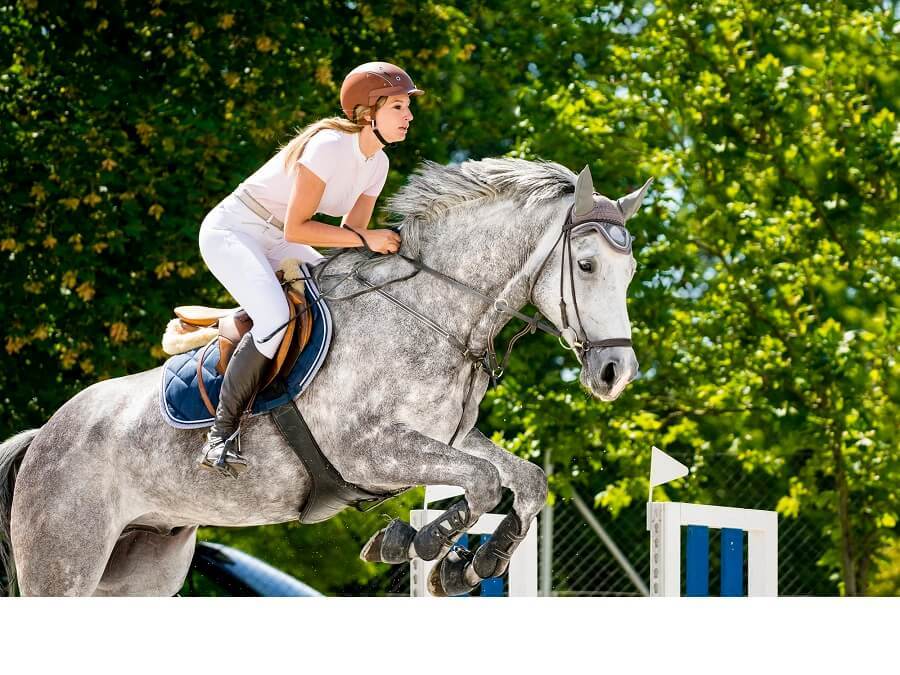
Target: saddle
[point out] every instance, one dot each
(198, 325)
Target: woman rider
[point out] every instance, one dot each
(334, 166)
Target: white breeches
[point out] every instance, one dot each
(243, 252)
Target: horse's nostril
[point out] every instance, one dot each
(608, 374)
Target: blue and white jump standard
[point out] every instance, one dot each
(664, 522)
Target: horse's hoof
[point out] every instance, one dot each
(390, 544)
(371, 552)
(448, 577)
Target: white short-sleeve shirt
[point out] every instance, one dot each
(336, 158)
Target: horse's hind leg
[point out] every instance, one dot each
(149, 563)
(60, 550)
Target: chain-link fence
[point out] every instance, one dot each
(585, 565)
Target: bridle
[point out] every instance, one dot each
(617, 236)
(609, 226)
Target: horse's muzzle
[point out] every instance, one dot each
(606, 372)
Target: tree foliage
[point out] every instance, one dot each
(765, 309)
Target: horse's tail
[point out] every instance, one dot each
(11, 454)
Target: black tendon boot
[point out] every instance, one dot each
(222, 449)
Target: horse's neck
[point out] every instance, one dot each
(494, 250)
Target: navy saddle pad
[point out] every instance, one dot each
(180, 400)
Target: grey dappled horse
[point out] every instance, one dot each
(107, 498)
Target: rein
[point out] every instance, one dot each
(614, 233)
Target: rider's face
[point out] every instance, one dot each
(393, 119)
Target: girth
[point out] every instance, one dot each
(329, 493)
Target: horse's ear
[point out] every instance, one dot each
(584, 193)
(629, 204)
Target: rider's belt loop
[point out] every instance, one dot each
(247, 200)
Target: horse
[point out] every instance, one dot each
(105, 498)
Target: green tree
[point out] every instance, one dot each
(765, 308)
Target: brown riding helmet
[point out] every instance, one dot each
(366, 83)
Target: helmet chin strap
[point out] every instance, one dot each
(380, 137)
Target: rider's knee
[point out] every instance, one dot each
(267, 322)
(281, 310)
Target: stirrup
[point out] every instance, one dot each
(223, 456)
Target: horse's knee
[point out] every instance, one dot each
(485, 491)
(531, 492)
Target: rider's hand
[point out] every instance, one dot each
(383, 241)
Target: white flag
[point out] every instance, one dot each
(663, 469)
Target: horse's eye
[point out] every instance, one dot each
(586, 265)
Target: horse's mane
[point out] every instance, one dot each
(434, 189)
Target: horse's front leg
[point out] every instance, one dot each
(406, 457)
(457, 574)
(525, 479)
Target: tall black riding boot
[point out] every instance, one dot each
(242, 376)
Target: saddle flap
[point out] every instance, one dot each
(182, 403)
(233, 326)
(306, 326)
(231, 329)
